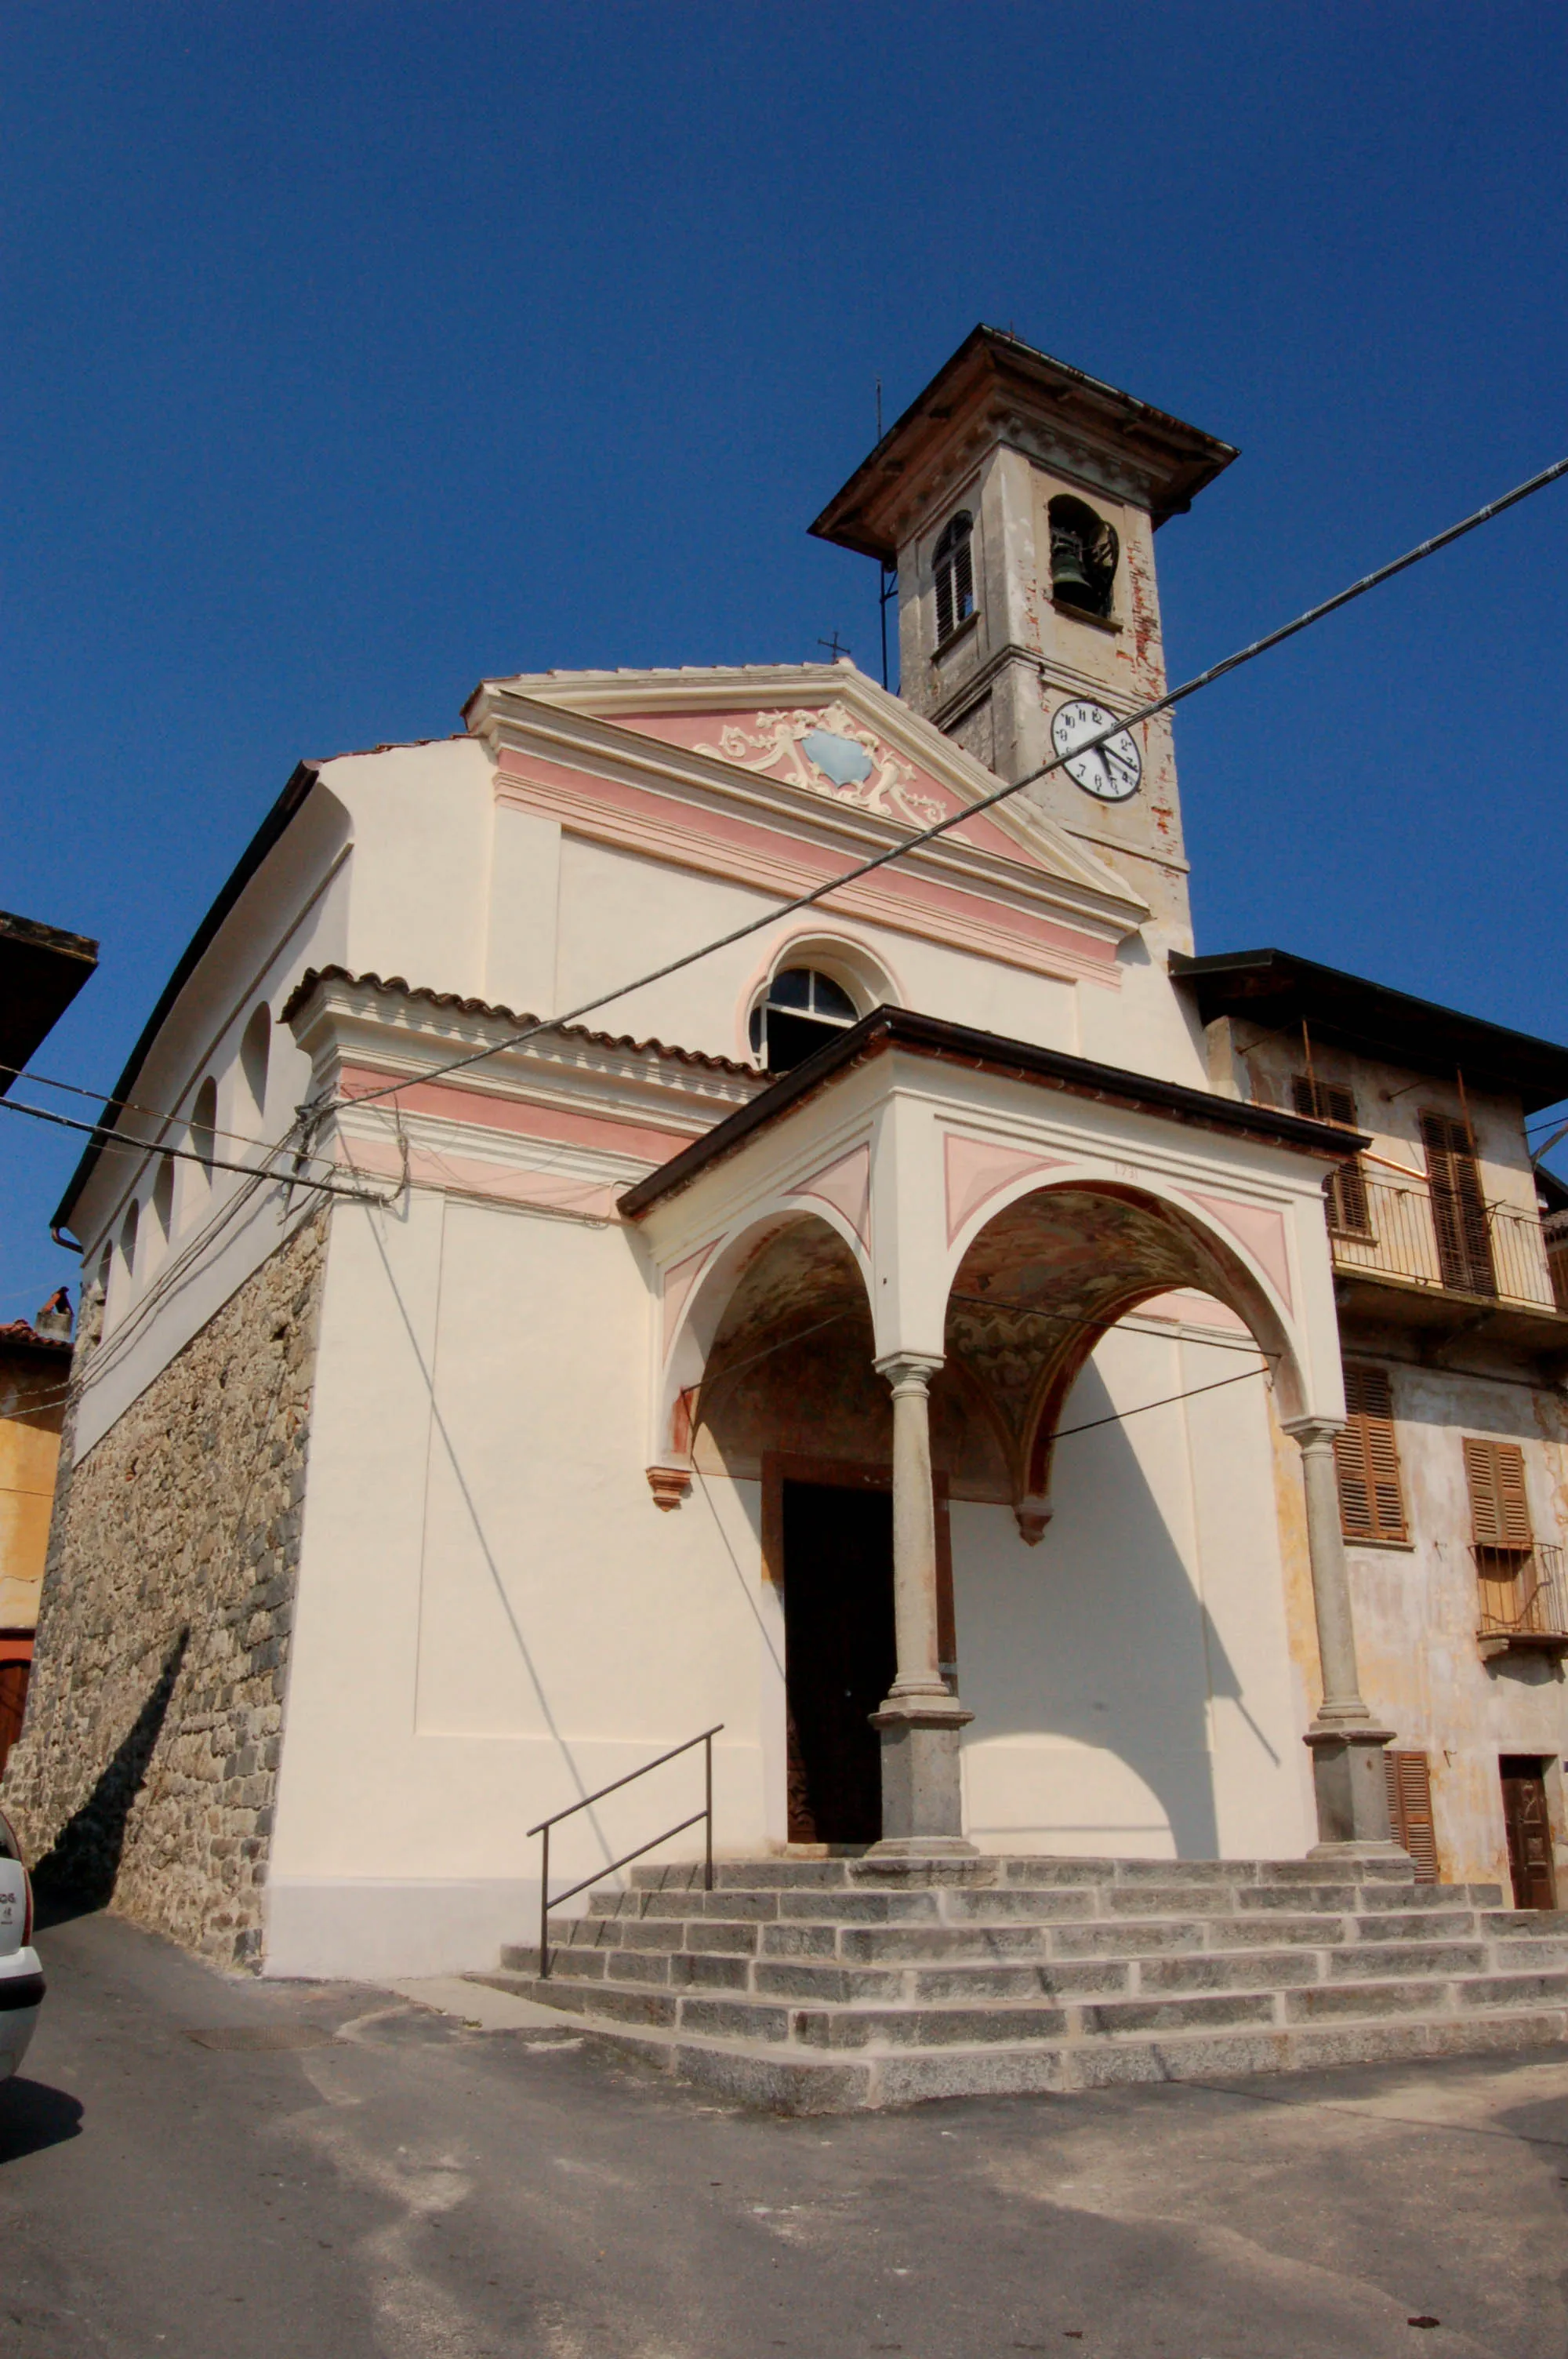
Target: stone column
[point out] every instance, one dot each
(919, 1723)
(1348, 1745)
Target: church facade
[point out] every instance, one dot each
(1030, 1388)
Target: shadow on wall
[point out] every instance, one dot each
(1098, 1637)
(79, 1870)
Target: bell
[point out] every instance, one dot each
(1068, 578)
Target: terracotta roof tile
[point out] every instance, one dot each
(463, 1007)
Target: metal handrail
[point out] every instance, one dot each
(706, 1814)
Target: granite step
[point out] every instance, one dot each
(802, 2079)
(823, 1984)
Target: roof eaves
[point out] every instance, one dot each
(1470, 1041)
(289, 804)
(895, 1028)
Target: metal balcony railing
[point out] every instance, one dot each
(1397, 1237)
(1523, 1597)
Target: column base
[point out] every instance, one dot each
(923, 1808)
(1350, 1786)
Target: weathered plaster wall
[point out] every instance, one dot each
(149, 1756)
(1417, 1606)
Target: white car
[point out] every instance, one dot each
(21, 1975)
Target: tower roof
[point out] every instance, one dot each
(996, 382)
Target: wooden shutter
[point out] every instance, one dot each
(963, 581)
(1345, 1191)
(1499, 1505)
(1458, 1207)
(1366, 1459)
(944, 601)
(1410, 1811)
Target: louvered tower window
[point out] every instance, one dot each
(1366, 1459)
(1345, 1191)
(953, 563)
(1458, 1207)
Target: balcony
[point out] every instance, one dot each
(1523, 1604)
(1493, 1271)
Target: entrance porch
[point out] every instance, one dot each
(880, 1285)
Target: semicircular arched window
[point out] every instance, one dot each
(953, 567)
(801, 1009)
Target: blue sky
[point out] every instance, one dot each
(355, 353)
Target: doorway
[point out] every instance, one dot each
(1529, 1828)
(839, 1654)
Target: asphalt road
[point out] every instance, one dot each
(197, 2167)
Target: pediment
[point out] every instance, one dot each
(825, 732)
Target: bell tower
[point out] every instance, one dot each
(1019, 501)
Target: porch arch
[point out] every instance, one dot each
(1045, 1269)
(701, 1292)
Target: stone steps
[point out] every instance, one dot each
(818, 1985)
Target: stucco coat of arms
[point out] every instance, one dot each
(831, 754)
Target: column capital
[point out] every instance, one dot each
(903, 1369)
(1313, 1432)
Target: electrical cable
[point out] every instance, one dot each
(883, 859)
(127, 1105)
(191, 1155)
(1120, 1416)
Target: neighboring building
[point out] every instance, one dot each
(41, 971)
(948, 1329)
(35, 1363)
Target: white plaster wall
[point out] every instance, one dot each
(493, 1619)
(622, 916)
(422, 817)
(1130, 1676)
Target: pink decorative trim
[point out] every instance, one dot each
(976, 1170)
(694, 835)
(1262, 1233)
(522, 1117)
(846, 1185)
(678, 1283)
(502, 1183)
(669, 1485)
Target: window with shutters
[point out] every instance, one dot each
(1366, 1459)
(1499, 1504)
(1458, 1207)
(953, 563)
(1410, 1811)
(1345, 1191)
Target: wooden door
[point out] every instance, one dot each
(12, 1704)
(1528, 1832)
(839, 1657)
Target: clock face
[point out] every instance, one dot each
(1110, 772)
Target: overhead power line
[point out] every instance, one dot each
(191, 1154)
(868, 867)
(106, 1099)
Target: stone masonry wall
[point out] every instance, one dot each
(146, 1768)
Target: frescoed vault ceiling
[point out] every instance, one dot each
(791, 1364)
